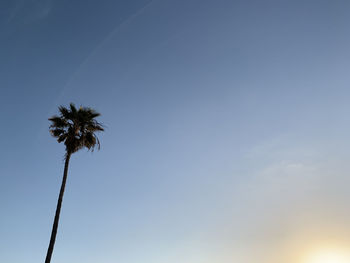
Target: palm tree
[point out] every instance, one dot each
(76, 128)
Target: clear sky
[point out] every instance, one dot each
(227, 139)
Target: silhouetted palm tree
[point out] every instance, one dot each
(76, 128)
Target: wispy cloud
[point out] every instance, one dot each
(42, 9)
(29, 11)
(297, 196)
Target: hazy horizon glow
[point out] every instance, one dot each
(227, 130)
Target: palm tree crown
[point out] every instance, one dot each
(76, 128)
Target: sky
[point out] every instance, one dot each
(227, 130)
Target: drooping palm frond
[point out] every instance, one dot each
(76, 128)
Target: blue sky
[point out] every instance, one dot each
(227, 129)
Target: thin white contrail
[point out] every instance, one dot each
(115, 30)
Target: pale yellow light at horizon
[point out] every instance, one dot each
(328, 256)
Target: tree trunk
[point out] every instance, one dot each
(58, 210)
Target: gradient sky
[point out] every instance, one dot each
(227, 139)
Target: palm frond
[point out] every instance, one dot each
(73, 109)
(65, 113)
(56, 132)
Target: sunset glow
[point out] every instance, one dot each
(226, 131)
(329, 256)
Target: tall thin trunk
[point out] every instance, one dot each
(58, 210)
